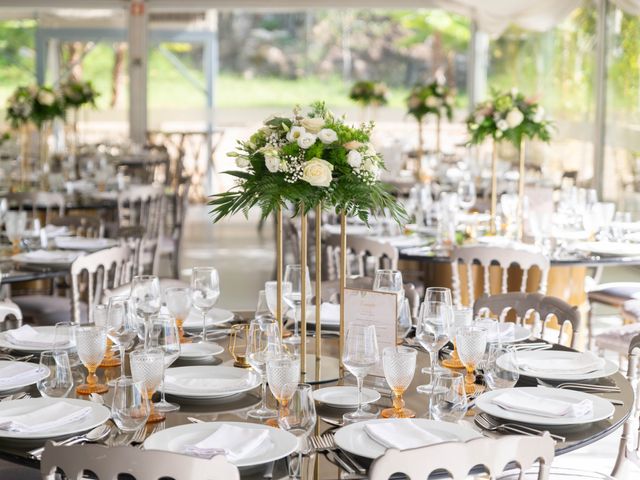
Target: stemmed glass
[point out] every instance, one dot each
(205, 290)
(283, 372)
(433, 334)
(391, 281)
(147, 367)
(300, 420)
(448, 403)
(462, 316)
(15, 224)
(263, 342)
(399, 364)
(59, 382)
(466, 194)
(168, 340)
(100, 315)
(91, 343)
(178, 300)
(262, 307)
(471, 342)
(497, 374)
(121, 328)
(360, 355)
(294, 276)
(438, 294)
(271, 292)
(146, 300)
(130, 406)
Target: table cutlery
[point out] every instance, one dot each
(488, 423)
(16, 396)
(318, 445)
(195, 420)
(333, 422)
(330, 442)
(92, 436)
(96, 398)
(584, 387)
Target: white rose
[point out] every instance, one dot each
(353, 145)
(439, 90)
(354, 159)
(414, 102)
(514, 91)
(272, 163)
(295, 133)
(539, 115)
(431, 102)
(448, 100)
(499, 134)
(242, 162)
(46, 98)
(371, 150)
(313, 125)
(514, 118)
(473, 126)
(317, 172)
(306, 140)
(370, 166)
(327, 136)
(502, 125)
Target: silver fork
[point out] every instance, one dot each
(330, 443)
(318, 445)
(585, 387)
(490, 424)
(16, 396)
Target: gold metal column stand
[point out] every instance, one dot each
(343, 282)
(279, 255)
(494, 187)
(521, 185)
(303, 293)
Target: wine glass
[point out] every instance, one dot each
(262, 308)
(147, 367)
(293, 298)
(471, 342)
(448, 403)
(433, 333)
(271, 292)
(438, 294)
(130, 406)
(178, 300)
(263, 342)
(121, 327)
(205, 290)
(497, 374)
(167, 340)
(91, 343)
(466, 194)
(300, 420)
(399, 364)
(100, 313)
(391, 281)
(462, 316)
(59, 381)
(283, 372)
(62, 339)
(146, 299)
(360, 355)
(15, 224)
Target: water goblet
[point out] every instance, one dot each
(121, 327)
(360, 355)
(283, 372)
(146, 299)
(433, 332)
(438, 294)
(399, 364)
(263, 343)
(295, 276)
(471, 342)
(62, 339)
(130, 407)
(167, 340)
(466, 193)
(178, 300)
(205, 290)
(100, 313)
(300, 420)
(500, 367)
(271, 292)
(15, 224)
(462, 316)
(59, 381)
(147, 367)
(448, 403)
(91, 343)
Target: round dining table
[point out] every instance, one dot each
(318, 466)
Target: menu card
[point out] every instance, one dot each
(366, 307)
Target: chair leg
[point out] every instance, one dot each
(589, 327)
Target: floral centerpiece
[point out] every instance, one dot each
(307, 159)
(47, 105)
(77, 93)
(367, 92)
(20, 106)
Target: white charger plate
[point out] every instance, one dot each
(174, 440)
(609, 368)
(98, 415)
(344, 396)
(215, 316)
(192, 351)
(82, 243)
(210, 372)
(42, 372)
(5, 343)
(618, 249)
(354, 439)
(60, 258)
(602, 408)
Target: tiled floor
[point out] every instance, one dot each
(244, 258)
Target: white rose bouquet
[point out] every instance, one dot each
(508, 116)
(37, 104)
(307, 159)
(20, 106)
(367, 92)
(435, 98)
(77, 93)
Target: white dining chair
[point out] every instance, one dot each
(504, 257)
(458, 458)
(10, 315)
(364, 256)
(108, 463)
(51, 202)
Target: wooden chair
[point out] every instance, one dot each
(109, 463)
(51, 202)
(365, 255)
(534, 308)
(81, 226)
(486, 256)
(458, 458)
(170, 244)
(612, 294)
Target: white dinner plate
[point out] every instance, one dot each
(609, 368)
(215, 316)
(344, 396)
(210, 373)
(354, 439)
(39, 372)
(6, 343)
(176, 438)
(192, 351)
(98, 415)
(618, 249)
(82, 243)
(52, 258)
(520, 333)
(602, 408)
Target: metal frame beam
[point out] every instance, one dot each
(600, 121)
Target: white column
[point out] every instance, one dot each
(478, 63)
(138, 19)
(600, 121)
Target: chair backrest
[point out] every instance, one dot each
(458, 458)
(8, 312)
(49, 201)
(105, 269)
(107, 463)
(486, 256)
(81, 226)
(364, 256)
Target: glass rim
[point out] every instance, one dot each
(145, 277)
(177, 289)
(153, 352)
(127, 380)
(448, 375)
(53, 353)
(400, 350)
(200, 269)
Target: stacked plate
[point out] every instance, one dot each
(55, 258)
(209, 382)
(83, 243)
(616, 249)
(557, 365)
(15, 375)
(215, 316)
(344, 396)
(34, 339)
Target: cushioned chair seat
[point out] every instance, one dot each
(45, 310)
(614, 293)
(617, 339)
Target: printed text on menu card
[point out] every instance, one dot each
(366, 307)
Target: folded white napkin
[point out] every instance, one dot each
(496, 331)
(403, 434)
(53, 231)
(28, 336)
(205, 385)
(17, 373)
(236, 443)
(516, 400)
(581, 363)
(50, 256)
(42, 419)
(82, 242)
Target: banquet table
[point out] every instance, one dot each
(319, 467)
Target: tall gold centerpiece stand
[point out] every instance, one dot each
(420, 153)
(494, 188)
(521, 186)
